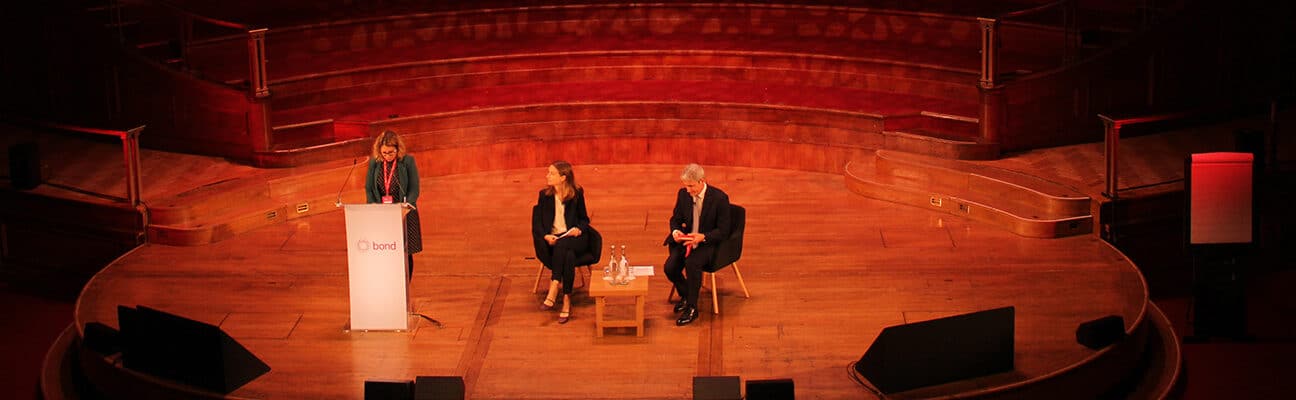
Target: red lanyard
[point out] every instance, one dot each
(387, 177)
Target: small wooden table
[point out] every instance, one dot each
(600, 290)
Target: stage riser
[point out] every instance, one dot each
(1045, 199)
(595, 121)
(887, 264)
(319, 190)
(1034, 209)
(966, 208)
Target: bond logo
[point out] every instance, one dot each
(365, 245)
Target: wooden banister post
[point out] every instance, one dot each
(131, 152)
(989, 51)
(992, 115)
(1111, 152)
(992, 101)
(259, 112)
(257, 63)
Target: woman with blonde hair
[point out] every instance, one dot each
(393, 178)
(558, 228)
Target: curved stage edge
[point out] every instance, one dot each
(827, 269)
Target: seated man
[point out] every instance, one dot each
(698, 224)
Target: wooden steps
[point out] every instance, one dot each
(650, 109)
(826, 100)
(760, 68)
(921, 35)
(1023, 204)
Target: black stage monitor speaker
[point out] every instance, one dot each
(388, 390)
(1101, 332)
(717, 388)
(439, 388)
(184, 350)
(941, 350)
(24, 166)
(771, 389)
(102, 339)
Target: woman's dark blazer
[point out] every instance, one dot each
(406, 185)
(575, 216)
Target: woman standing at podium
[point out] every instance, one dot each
(393, 178)
(557, 228)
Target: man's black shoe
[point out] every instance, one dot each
(690, 314)
(681, 306)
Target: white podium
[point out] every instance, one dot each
(375, 235)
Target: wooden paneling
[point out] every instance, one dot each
(184, 113)
(771, 67)
(493, 31)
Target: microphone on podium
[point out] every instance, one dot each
(338, 202)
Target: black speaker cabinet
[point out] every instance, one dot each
(102, 339)
(187, 351)
(771, 389)
(717, 388)
(1251, 141)
(1101, 332)
(439, 388)
(938, 351)
(388, 390)
(24, 166)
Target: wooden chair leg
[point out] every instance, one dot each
(584, 279)
(539, 273)
(671, 297)
(715, 297)
(740, 280)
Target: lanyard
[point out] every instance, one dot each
(388, 174)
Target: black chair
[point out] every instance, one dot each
(582, 260)
(727, 255)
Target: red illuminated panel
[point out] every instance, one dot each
(1220, 206)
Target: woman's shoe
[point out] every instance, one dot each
(565, 314)
(551, 298)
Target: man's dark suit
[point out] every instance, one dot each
(714, 223)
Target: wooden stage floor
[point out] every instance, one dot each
(827, 270)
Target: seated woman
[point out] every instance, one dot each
(557, 229)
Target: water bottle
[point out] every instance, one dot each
(620, 268)
(609, 271)
(630, 276)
